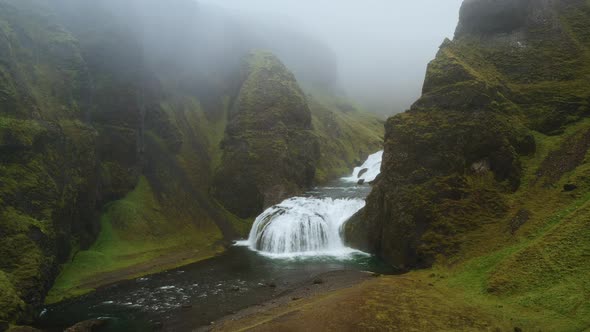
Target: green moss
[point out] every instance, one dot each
(544, 271)
(18, 133)
(542, 268)
(10, 302)
(135, 230)
(23, 260)
(241, 226)
(269, 150)
(215, 131)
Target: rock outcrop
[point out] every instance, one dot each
(269, 149)
(515, 71)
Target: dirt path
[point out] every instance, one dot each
(314, 287)
(387, 303)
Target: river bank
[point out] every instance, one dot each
(418, 301)
(195, 295)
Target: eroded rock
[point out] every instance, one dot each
(362, 172)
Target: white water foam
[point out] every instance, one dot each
(303, 226)
(372, 166)
(309, 226)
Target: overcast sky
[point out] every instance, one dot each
(383, 46)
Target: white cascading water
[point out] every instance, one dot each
(303, 225)
(370, 168)
(310, 226)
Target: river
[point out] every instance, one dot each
(289, 244)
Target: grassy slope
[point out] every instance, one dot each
(135, 230)
(408, 303)
(543, 267)
(151, 230)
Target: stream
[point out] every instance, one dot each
(289, 244)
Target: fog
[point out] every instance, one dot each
(381, 47)
(374, 51)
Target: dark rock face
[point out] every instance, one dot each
(269, 151)
(493, 16)
(569, 187)
(519, 220)
(48, 174)
(452, 158)
(565, 159)
(362, 172)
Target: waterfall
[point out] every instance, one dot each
(369, 170)
(303, 225)
(311, 226)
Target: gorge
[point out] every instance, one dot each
(300, 238)
(176, 166)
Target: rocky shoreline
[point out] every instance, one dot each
(313, 287)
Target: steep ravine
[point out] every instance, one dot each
(108, 154)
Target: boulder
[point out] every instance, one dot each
(519, 219)
(362, 172)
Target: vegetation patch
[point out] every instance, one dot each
(135, 230)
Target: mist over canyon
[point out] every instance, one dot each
(223, 165)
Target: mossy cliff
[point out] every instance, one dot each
(279, 141)
(108, 150)
(484, 179)
(78, 132)
(48, 167)
(269, 150)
